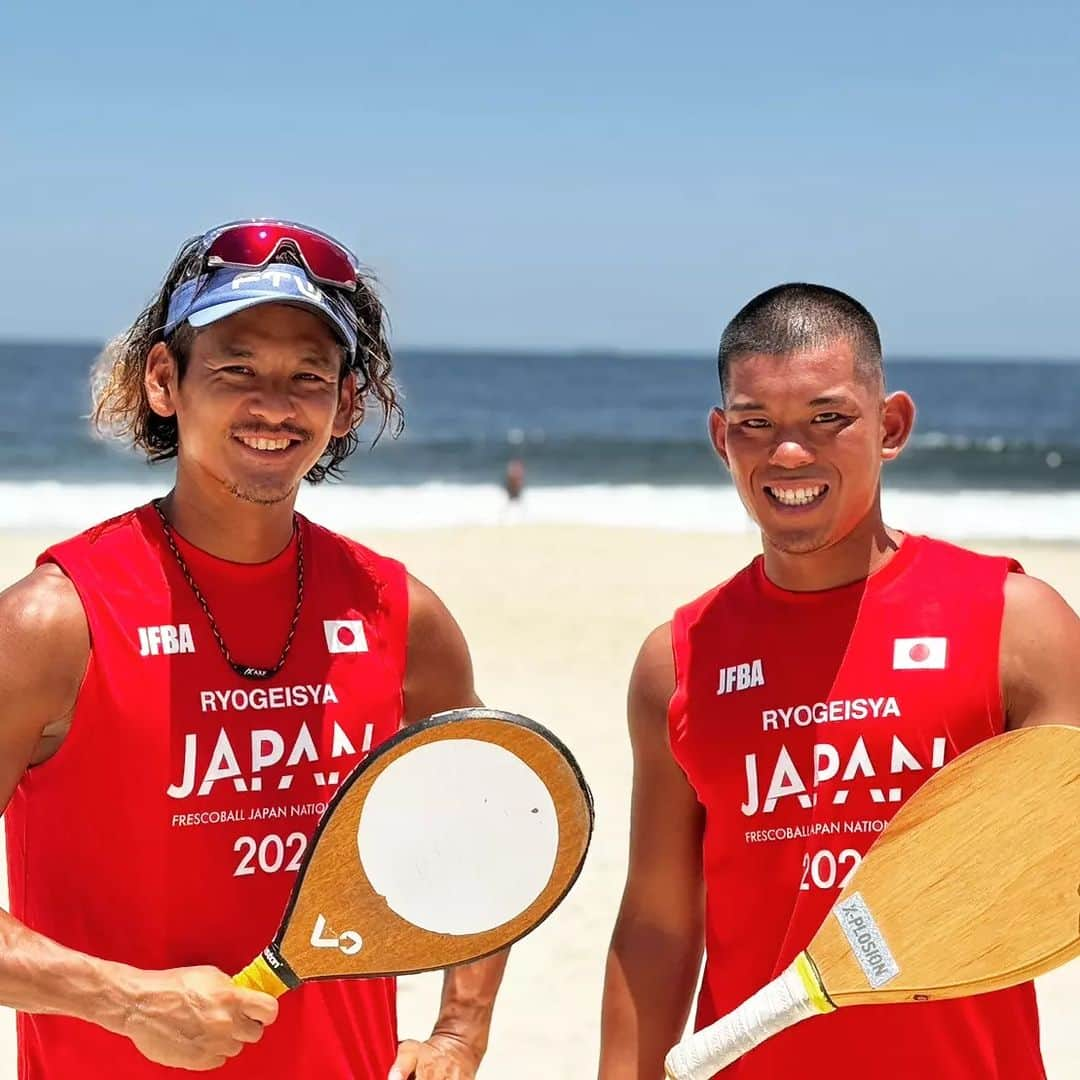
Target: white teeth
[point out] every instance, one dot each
(796, 496)
(264, 444)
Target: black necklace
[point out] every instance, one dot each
(245, 671)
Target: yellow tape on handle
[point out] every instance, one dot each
(808, 973)
(259, 975)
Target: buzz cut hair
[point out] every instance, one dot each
(800, 317)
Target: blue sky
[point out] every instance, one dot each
(598, 174)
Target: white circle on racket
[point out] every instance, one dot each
(428, 845)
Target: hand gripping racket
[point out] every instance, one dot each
(453, 839)
(973, 886)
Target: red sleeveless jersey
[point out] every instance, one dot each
(804, 720)
(168, 828)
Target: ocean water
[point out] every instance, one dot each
(605, 438)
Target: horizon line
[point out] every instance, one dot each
(597, 351)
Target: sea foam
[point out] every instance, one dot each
(353, 508)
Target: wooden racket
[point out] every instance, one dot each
(455, 838)
(973, 886)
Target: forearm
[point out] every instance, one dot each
(468, 999)
(650, 979)
(38, 975)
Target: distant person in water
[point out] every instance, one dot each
(514, 481)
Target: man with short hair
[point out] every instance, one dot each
(780, 720)
(183, 687)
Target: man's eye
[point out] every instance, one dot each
(828, 417)
(756, 422)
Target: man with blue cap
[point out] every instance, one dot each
(182, 688)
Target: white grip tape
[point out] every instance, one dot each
(785, 1001)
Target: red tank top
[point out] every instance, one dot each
(803, 721)
(168, 828)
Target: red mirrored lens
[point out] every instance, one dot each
(254, 244)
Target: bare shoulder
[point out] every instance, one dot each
(44, 648)
(438, 671)
(424, 604)
(651, 684)
(1040, 654)
(1037, 622)
(432, 629)
(44, 609)
(1030, 598)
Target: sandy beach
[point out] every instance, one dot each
(554, 616)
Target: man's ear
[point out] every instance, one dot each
(350, 410)
(718, 433)
(161, 379)
(897, 421)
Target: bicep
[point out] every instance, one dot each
(438, 668)
(1040, 655)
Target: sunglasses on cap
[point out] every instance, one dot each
(254, 243)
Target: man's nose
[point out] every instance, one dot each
(272, 402)
(790, 453)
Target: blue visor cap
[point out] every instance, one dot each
(203, 300)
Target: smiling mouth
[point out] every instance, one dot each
(266, 445)
(797, 497)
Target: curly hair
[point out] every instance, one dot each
(121, 407)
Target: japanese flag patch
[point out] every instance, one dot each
(910, 653)
(345, 635)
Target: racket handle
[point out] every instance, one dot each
(793, 996)
(259, 975)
